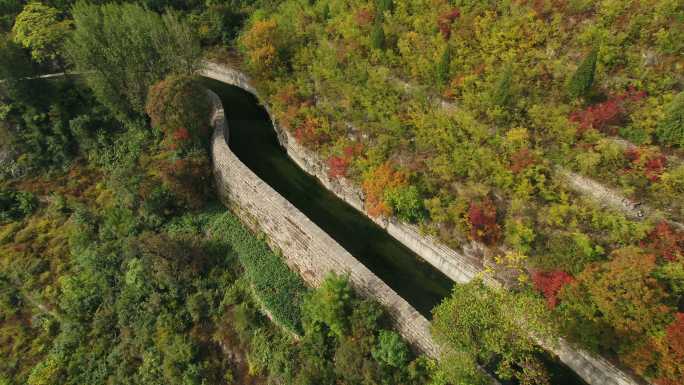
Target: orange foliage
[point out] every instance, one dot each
(521, 160)
(665, 241)
(383, 178)
(625, 292)
(259, 43)
(309, 133)
(661, 355)
(364, 16)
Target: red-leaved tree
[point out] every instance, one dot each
(550, 283)
(482, 220)
(602, 116)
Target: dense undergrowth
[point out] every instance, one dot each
(464, 116)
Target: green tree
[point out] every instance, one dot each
(384, 5)
(582, 80)
(391, 349)
(671, 129)
(444, 66)
(406, 203)
(329, 305)
(491, 326)
(123, 49)
(377, 36)
(180, 107)
(15, 64)
(38, 28)
(501, 95)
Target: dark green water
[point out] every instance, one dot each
(254, 141)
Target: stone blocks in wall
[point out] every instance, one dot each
(305, 247)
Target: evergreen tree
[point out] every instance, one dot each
(671, 128)
(378, 36)
(502, 89)
(583, 79)
(384, 5)
(443, 67)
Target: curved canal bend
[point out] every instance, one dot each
(254, 141)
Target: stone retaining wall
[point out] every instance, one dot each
(305, 247)
(461, 266)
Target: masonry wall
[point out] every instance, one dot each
(461, 266)
(305, 247)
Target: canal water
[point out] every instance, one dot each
(253, 140)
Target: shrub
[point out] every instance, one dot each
(310, 132)
(675, 335)
(666, 242)
(375, 187)
(391, 350)
(482, 221)
(337, 166)
(406, 203)
(651, 162)
(582, 80)
(16, 205)
(550, 283)
(445, 20)
(180, 107)
(605, 114)
(522, 159)
(188, 179)
(670, 131)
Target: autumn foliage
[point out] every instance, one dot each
(259, 43)
(179, 106)
(653, 163)
(482, 221)
(604, 115)
(310, 133)
(189, 179)
(666, 242)
(383, 178)
(521, 160)
(445, 20)
(338, 166)
(549, 283)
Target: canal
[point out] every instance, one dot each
(253, 140)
